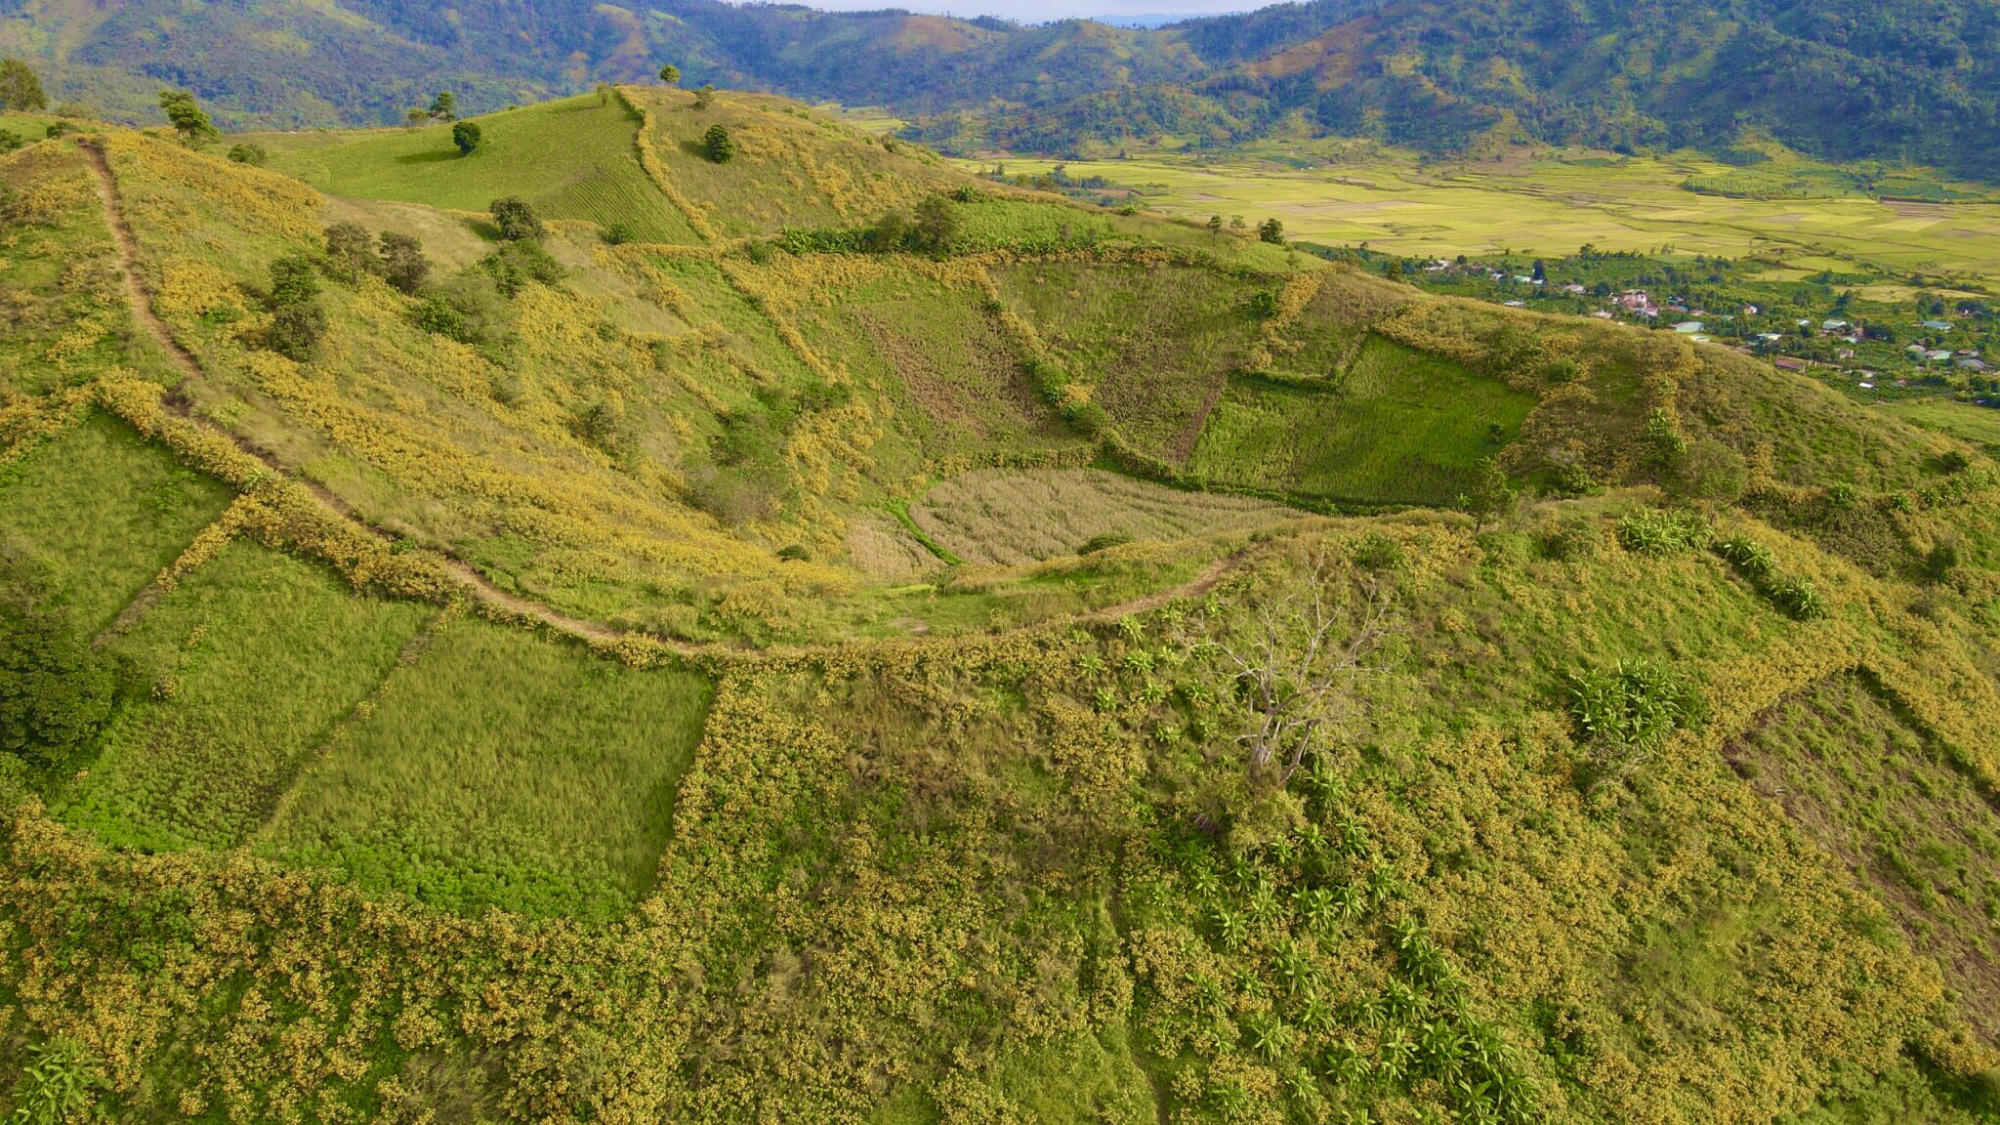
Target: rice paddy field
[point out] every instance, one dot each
(1552, 203)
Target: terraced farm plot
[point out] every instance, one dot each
(503, 769)
(90, 518)
(1401, 427)
(1004, 517)
(571, 159)
(1855, 775)
(1152, 343)
(958, 382)
(250, 663)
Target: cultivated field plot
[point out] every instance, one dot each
(958, 382)
(250, 662)
(1398, 427)
(1152, 344)
(1554, 204)
(90, 518)
(1875, 791)
(571, 159)
(1007, 517)
(502, 769)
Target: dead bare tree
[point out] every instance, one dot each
(1298, 664)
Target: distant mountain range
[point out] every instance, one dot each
(1894, 79)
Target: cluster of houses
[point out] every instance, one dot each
(1695, 323)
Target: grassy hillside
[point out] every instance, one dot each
(768, 674)
(572, 159)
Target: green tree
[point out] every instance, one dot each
(296, 330)
(350, 251)
(891, 232)
(704, 97)
(1272, 231)
(20, 88)
(465, 135)
(294, 279)
(248, 153)
(187, 117)
(1215, 224)
(937, 225)
(1492, 497)
(670, 74)
(718, 145)
(516, 219)
(54, 691)
(444, 107)
(403, 263)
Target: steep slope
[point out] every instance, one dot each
(420, 728)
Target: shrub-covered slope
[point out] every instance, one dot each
(740, 676)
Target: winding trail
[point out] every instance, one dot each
(477, 585)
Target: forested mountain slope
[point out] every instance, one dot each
(658, 638)
(1836, 78)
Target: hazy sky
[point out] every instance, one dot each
(1036, 11)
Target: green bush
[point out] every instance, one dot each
(1750, 558)
(718, 145)
(1103, 542)
(55, 692)
(1799, 598)
(1653, 531)
(248, 153)
(296, 330)
(1376, 551)
(618, 234)
(59, 1085)
(403, 263)
(1572, 538)
(1943, 558)
(1632, 705)
(515, 264)
(517, 221)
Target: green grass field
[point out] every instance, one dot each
(1976, 424)
(1552, 204)
(90, 518)
(504, 770)
(1402, 427)
(245, 669)
(571, 159)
